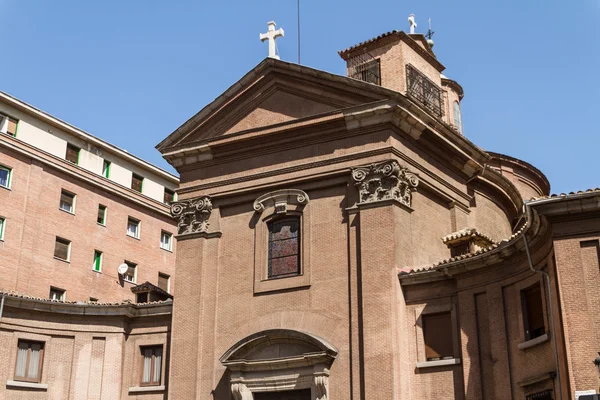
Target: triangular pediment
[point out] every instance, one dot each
(273, 93)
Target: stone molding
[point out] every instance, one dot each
(384, 181)
(193, 215)
(280, 199)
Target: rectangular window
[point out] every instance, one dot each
(30, 356)
(101, 214)
(169, 196)
(284, 248)
(5, 174)
(8, 125)
(67, 201)
(141, 297)
(93, 300)
(2, 226)
(166, 240)
(72, 154)
(57, 294)
(151, 365)
(62, 249)
(131, 272)
(106, 169)
(163, 281)
(137, 182)
(460, 249)
(97, 261)
(533, 312)
(543, 395)
(437, 334)
(133, 228)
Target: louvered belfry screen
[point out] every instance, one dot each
(424, 91)
(544, 395)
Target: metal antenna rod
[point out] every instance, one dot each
(298, 31)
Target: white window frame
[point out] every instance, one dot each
(169, 246)
(64, 293)
(2, 228)
(9, 178)
(138, 230)
(135, 267)
(72, 211)
(101, 260)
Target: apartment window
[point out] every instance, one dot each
(97, 261)
(67, 201)
(151, 365)
(164, 281)
(137, 182)
(62, 249)
(57, 294)
(72, 153)
(30, 357)
(106, 169)
(437, 334)
(284, 248)
(533, 311)
(102, 214)
(131, 272)
(169, 196)
(2, 226)
(133, 227)
(166, 240)
(8, 125)
(5, 174)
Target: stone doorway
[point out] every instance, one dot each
(289, 395)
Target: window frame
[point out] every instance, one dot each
(102, 206)
(168, 289)
(5, 121)
(106, 168)
(63, 296)
(523, 292)
(68, 259)
(74, 197)
(459, 124)
(98, 258)
(272, 222)
(139, 178)
(2, 228)
(135, 269)
(424, 318)
(170, 245)
(38, 379)
(138, 230)
(8, 178)
(169, 192)
(72, 147)
(152, 364)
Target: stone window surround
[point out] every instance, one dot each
(138, 365)
(20, 385)
(274, 205)
(422, 361)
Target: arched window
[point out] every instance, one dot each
(284, 247)
(457, 117)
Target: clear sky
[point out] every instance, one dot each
(132, 71)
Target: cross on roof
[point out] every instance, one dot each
(271, 35)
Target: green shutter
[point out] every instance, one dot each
(97, 261)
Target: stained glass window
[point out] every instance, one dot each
(284, 247)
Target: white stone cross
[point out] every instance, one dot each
(412, 22)
(271, 35)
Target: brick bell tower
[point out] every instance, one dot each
(405, 62)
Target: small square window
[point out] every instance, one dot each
(437, 334)
(133, 227)
(67, 202)
(8, 125)
(169, 196)
(164, 281)
(97, 261)
(62, 249)
(106, 169)
(2, 227)
(72, 154)
(57, 294)
(166, 240)
(30, 357)
(151, 365)
(137, 182)
(101, 214)
(93, 300)
(5, 174)
(131, 273)
(141, 297)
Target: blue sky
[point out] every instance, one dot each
(132, 71)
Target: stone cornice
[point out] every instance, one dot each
(82, 174)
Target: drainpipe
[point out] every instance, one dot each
(551, 313)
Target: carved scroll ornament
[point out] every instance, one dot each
(280, 199)
(383, 181)
(241, 392)
(321, 387)
(193, 215)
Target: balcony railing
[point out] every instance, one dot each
(366, 68)
(424, 91)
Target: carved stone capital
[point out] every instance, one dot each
(321, 387)
(383, 181)
(280, 199)
(241, 392)
(193, 215)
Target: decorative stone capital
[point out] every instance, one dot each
(241, 392)
(384, 181)
(280, 199)
(193, 215)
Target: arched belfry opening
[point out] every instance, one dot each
(280, 364)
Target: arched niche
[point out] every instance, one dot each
(280, 360)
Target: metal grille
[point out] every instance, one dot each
(544, 395)
(366, 68)
(424, 91)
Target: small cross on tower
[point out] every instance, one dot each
(271, 35)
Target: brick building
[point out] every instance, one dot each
(338, 237)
